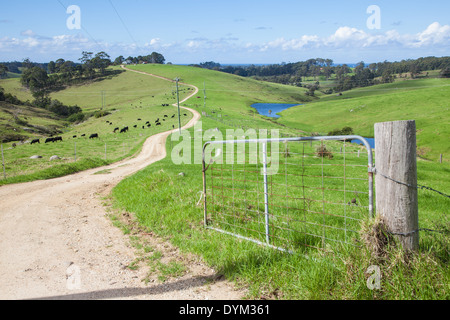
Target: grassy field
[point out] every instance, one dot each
(422, 100)
(305, 274)
(128, 97)
(167, 203)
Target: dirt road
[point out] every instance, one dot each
(56, 241)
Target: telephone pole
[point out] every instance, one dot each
(178, 103)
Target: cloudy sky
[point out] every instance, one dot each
(245, 31)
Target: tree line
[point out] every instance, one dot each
(344, 76)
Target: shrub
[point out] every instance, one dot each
(323, 152)
(76, 117)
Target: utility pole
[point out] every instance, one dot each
(178, 103)
(204, 96)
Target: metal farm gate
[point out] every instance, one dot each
(288, 193)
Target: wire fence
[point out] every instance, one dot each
(290, 193)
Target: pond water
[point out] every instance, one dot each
(271, 109)
(371, 141)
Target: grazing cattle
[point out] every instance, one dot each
(124, 130)
(173, 116)
(135, 126)
(74, 137)
(165, 116)
(185, 115)
(139, 119)
(93, 136)
(36, 141)
(158, 124)
(83, 135)
(116, 129)
(57, 139)
(49, 140)
(149, 125)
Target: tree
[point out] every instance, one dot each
(157, 58)
(119, 60)
(101, 61)
(51, 68)
(3, 71)
(36, 79)
(445, 73)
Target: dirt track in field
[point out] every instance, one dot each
(57, 241)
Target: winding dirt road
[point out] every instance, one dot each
(57, 242)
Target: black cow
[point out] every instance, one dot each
(36, 141)
(49, 140)
(124, 130)
(57, 139)
(93, 136)
(116, 129)
(158, 124)
(135, 126)
(83, 135)
(74, 137)
(165, 116)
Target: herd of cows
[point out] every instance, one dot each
(117, 129)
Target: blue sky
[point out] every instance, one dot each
(245, 31)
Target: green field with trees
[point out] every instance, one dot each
(96, 95)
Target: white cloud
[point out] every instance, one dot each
(347, 37)
(435, 34)
(345, 40)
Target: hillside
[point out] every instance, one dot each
(423, 100)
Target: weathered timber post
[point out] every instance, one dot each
(396, 180)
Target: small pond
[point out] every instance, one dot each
(371, 141)
(271, 109)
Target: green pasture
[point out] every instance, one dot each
(316, 269)
(332, 248)
(423, 100)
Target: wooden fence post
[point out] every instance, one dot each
(396, 180)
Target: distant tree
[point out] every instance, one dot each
(157, 58)
(119, 60)
(3, 71)
(27, 64)
(101, 61)
(445, 73)
(51, 68)
(36, 79)
(210, 65)
(414, 70)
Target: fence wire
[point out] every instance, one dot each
(318, 196)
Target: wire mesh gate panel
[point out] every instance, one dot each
(288, 193)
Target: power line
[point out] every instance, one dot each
(123, 23)
(84, 29)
